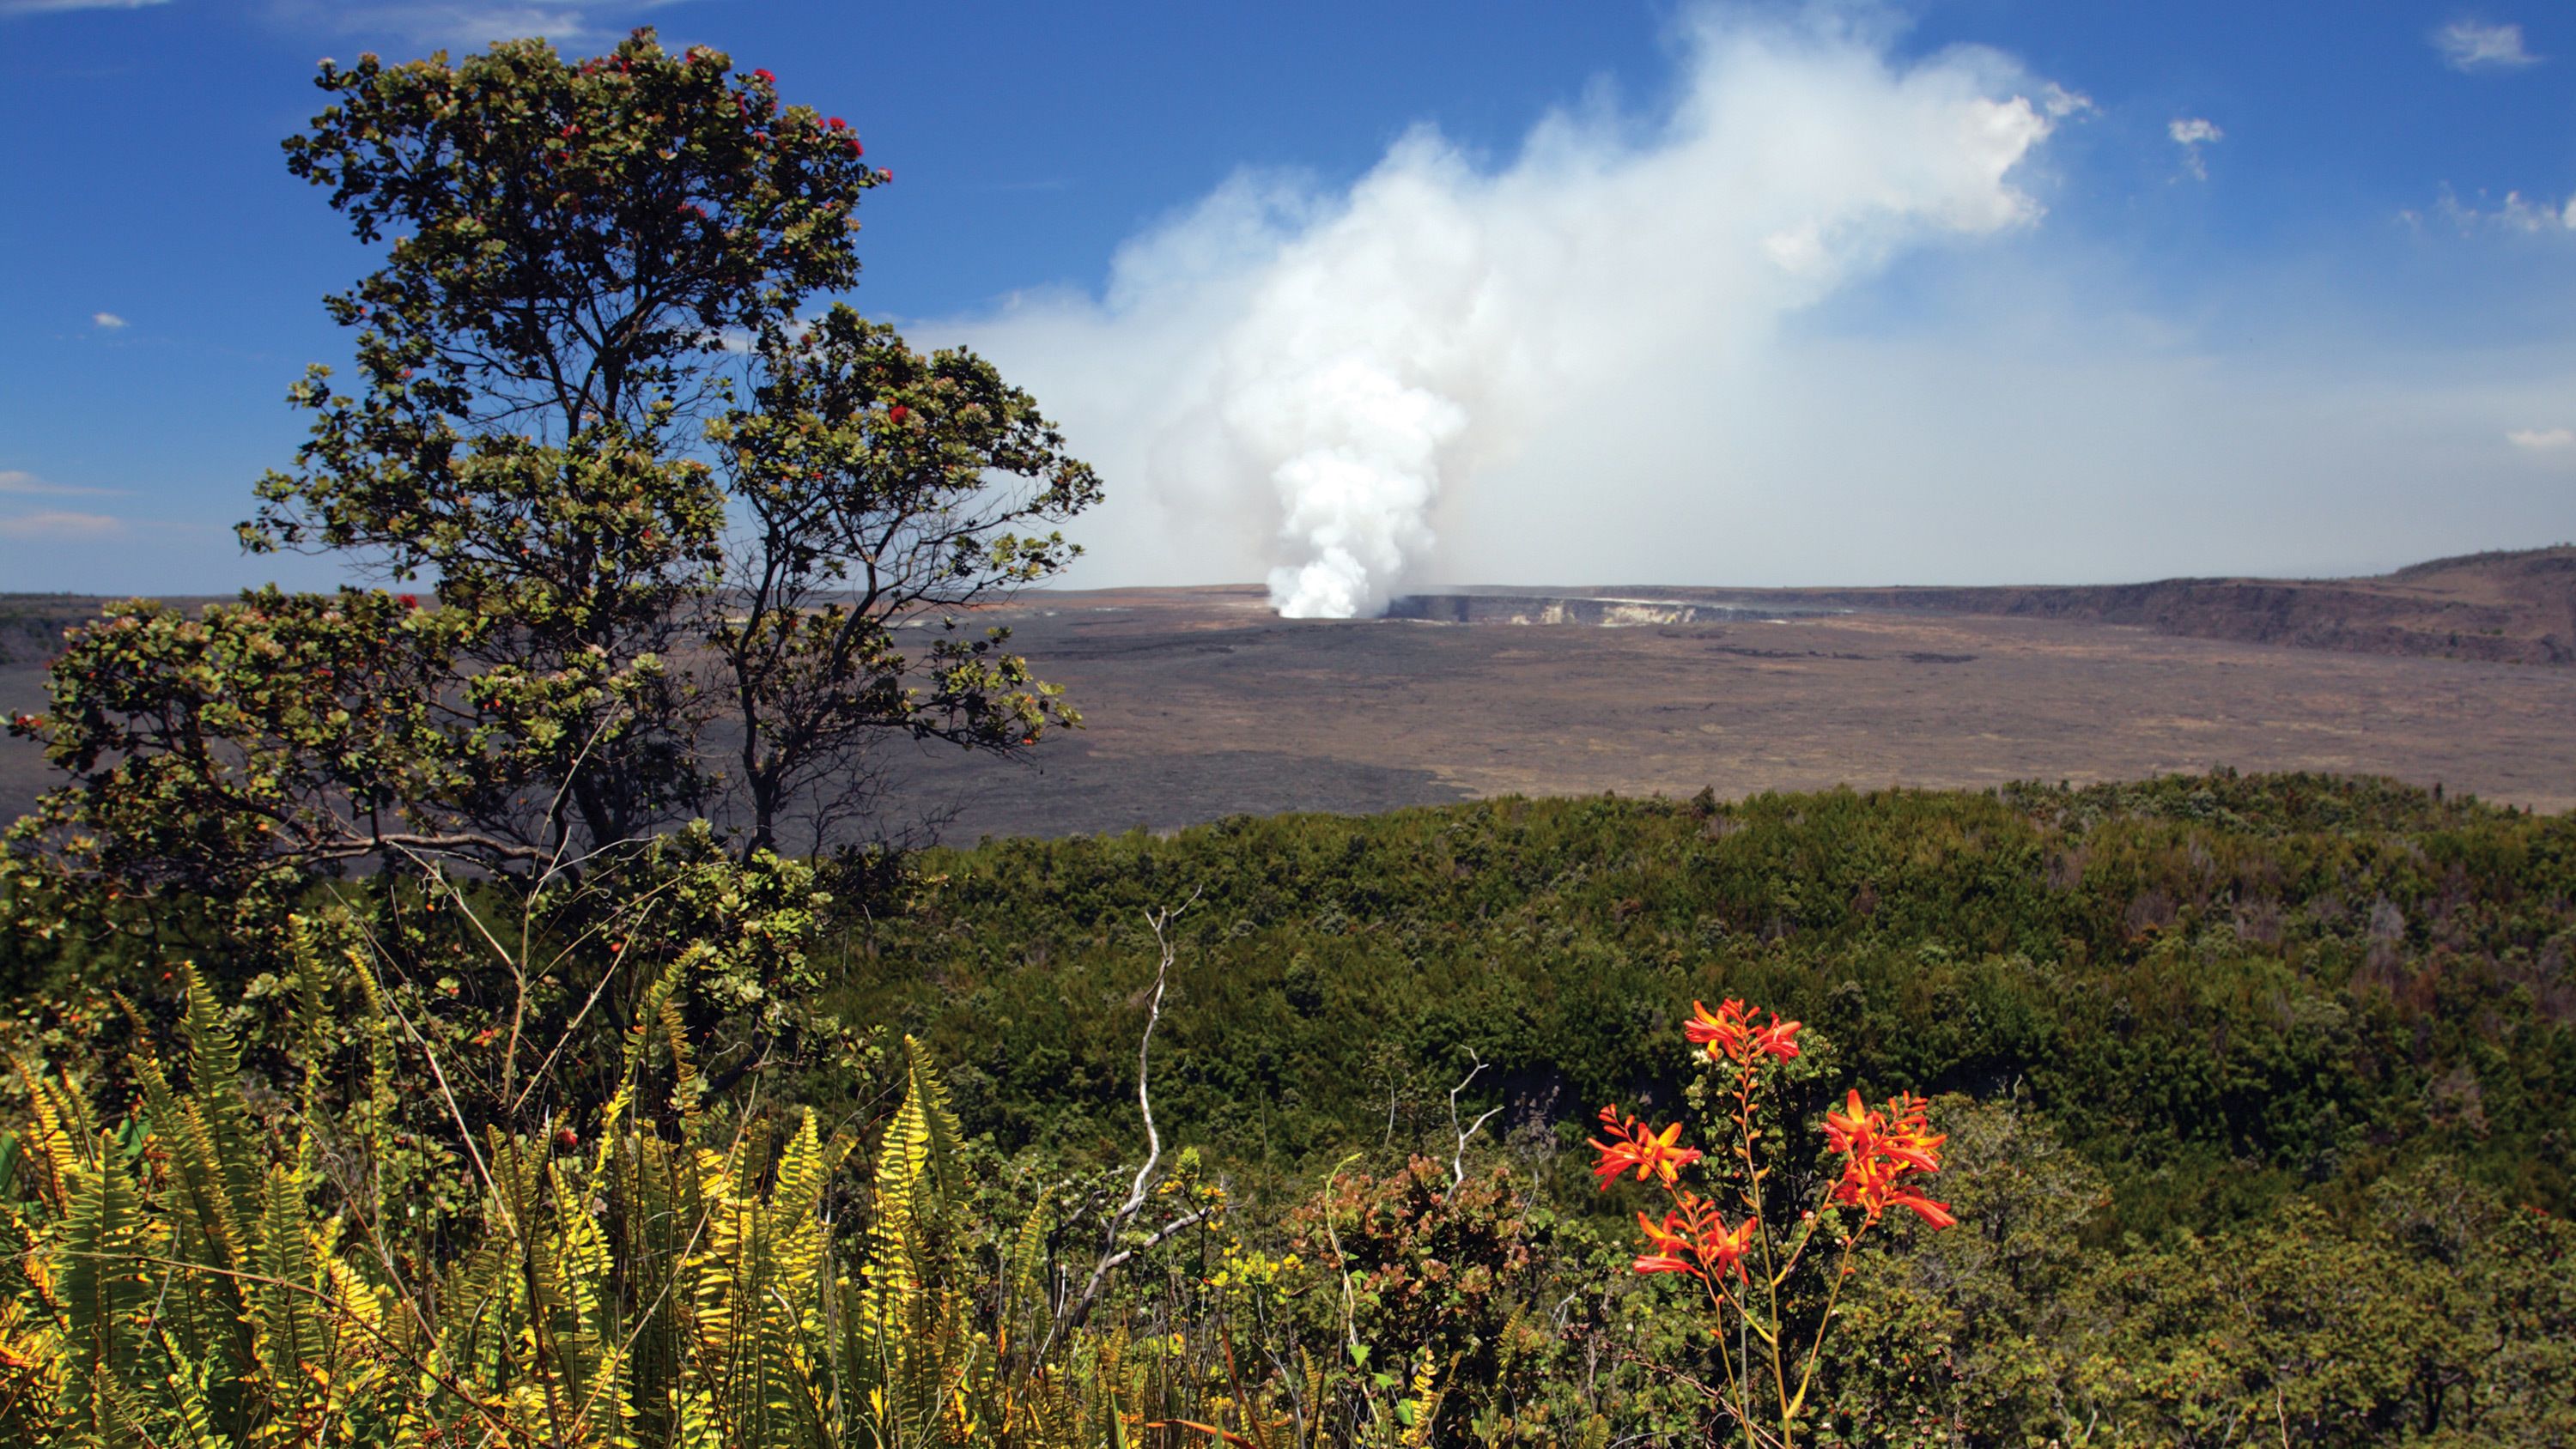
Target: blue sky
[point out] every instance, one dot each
(2216, 288)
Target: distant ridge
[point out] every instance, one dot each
(2507, 606)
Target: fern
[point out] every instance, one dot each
(675, 1282)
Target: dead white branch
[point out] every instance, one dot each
(1458, 1159)
(1111, 1256)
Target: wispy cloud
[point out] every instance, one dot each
(107, 320)
(50, 7)
(2191, 133)
(19, 482)
(2515, 213)
(61, 524)
(2467, 45)
(466, 22)
(2061, 103)
(2542, 440)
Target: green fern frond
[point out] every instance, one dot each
(100, 1292)
(214, 1214)
(1020, 1288)
(59, 1138)
(214, 1093)
(293, 1332)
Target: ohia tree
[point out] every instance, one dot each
(664, 521)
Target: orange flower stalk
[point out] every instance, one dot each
(1745, 1273)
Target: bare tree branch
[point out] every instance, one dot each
(1075, 1313)
(1458, 1159)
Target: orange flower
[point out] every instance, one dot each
(1670, 1244)
(1722, 1031)
(1652, 1153)
(1778, 1039)
(1669, 1236)
(1694, 1239)
(1854, 1128)
(1935, 1213)
(1730, 1035)
(1882, 1150)
(1911, 1140)
(1723, 1250)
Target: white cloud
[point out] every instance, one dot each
(2515, 213)
(2191, 133)
(107, 320)
(471, 23)
(2542, 440)
(59, 524)
(2060, 103)
(20, 482)
(1305, 384)
(2467, 45)
(49, 7)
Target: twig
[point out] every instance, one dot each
(1186, 1220)
(1080, 1309)
(1458, 1159)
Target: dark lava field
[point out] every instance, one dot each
(1200, 704)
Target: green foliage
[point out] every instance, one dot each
(215, 1275)
(577, 231)
(666, 578)
(1416, 1268)
(866, 472)
(205, 744)
(2440, 1313)
(2218, 991)
(323, 1223)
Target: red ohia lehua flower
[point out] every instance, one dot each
(1654, 1154)
(897, 413)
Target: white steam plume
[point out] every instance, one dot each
(1323, 377)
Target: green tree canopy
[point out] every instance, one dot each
(669, 518)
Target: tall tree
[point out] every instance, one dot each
(670, 521)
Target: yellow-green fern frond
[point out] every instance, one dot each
(58, 1139)
(214, 1092)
